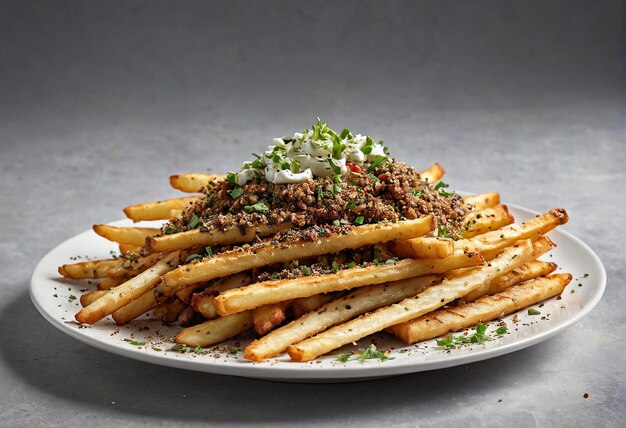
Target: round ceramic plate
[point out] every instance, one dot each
(146, 339)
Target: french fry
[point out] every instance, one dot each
(127, 249)
(267, 317)
(127, 292)
(424, 248)
(144, 303)
(481, 201)
(530, 270)
(193, 182)
(304, 305)
(506, 236)
(432, 174)
(186, 293)
(91, 297)
(479, 222)
(168, 311)
(427, 301)
(204, 302)
(540, 247)
(108, 268)
(159, 210)
(190, 238)
(265, 293)
(475, 223)
(215, 331)
(125, 235)
(231, 262)
(108, 283)
(335, 312)
(487, 308)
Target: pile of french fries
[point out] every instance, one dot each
(428, 287)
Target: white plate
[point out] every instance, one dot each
(51, 296)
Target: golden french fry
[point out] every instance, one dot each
(91, 297)
(481, 201)
(127, 249)
(125, 235)
(240, 260)
(432, 174)
(479, 222)
(215, 331)
(186, 293)
(540, 246)
(108, 268)
(144, 303)
(204, 302)
(335, 312)
(193, 182)
(159, 210)
(168, 311)
(424, 248)
(264, 293)
(427, 301)
(304, 305)
(267, 317)
(190, 238)
(108, 283)
(127, 292)
(506, 236)
(487, 308)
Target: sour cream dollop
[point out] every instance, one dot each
(318, 152)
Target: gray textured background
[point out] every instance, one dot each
(100, 102)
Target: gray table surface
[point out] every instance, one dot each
(99, 105)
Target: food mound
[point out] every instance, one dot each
(318, 242)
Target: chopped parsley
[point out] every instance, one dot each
(416, 193)
(359, 220)
(305, 270)
(236, 192)
(344, 358)
(533, 311)
(335, 266)
(194, 221)
(478, 337)
(135, 342)
(441, 186)
(260, 207)
(351, 265)
(71, 297)
(371, 352)
(170, 229)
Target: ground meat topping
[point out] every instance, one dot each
(390, 192)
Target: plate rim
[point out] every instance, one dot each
(341, 373)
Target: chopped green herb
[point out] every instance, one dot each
(351, 205)
(335, 266)
(260, 207)
(170, 229)
(194, 221)
(533, 311)
(416, 193)
(71, 297)
(155, 348)
(231, 178)
(234, 351)
(199, 350)
(193, 257)
(209, 251)
(334, 167)
(344, 358)
(305, 270)
(372, 352)
(351, 265)
(443, 231)
(336, 223)
(359, 220)
(502, 330)
(134, 342)
(236, 192)
(377, 162)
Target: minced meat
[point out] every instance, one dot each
(389, 193)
